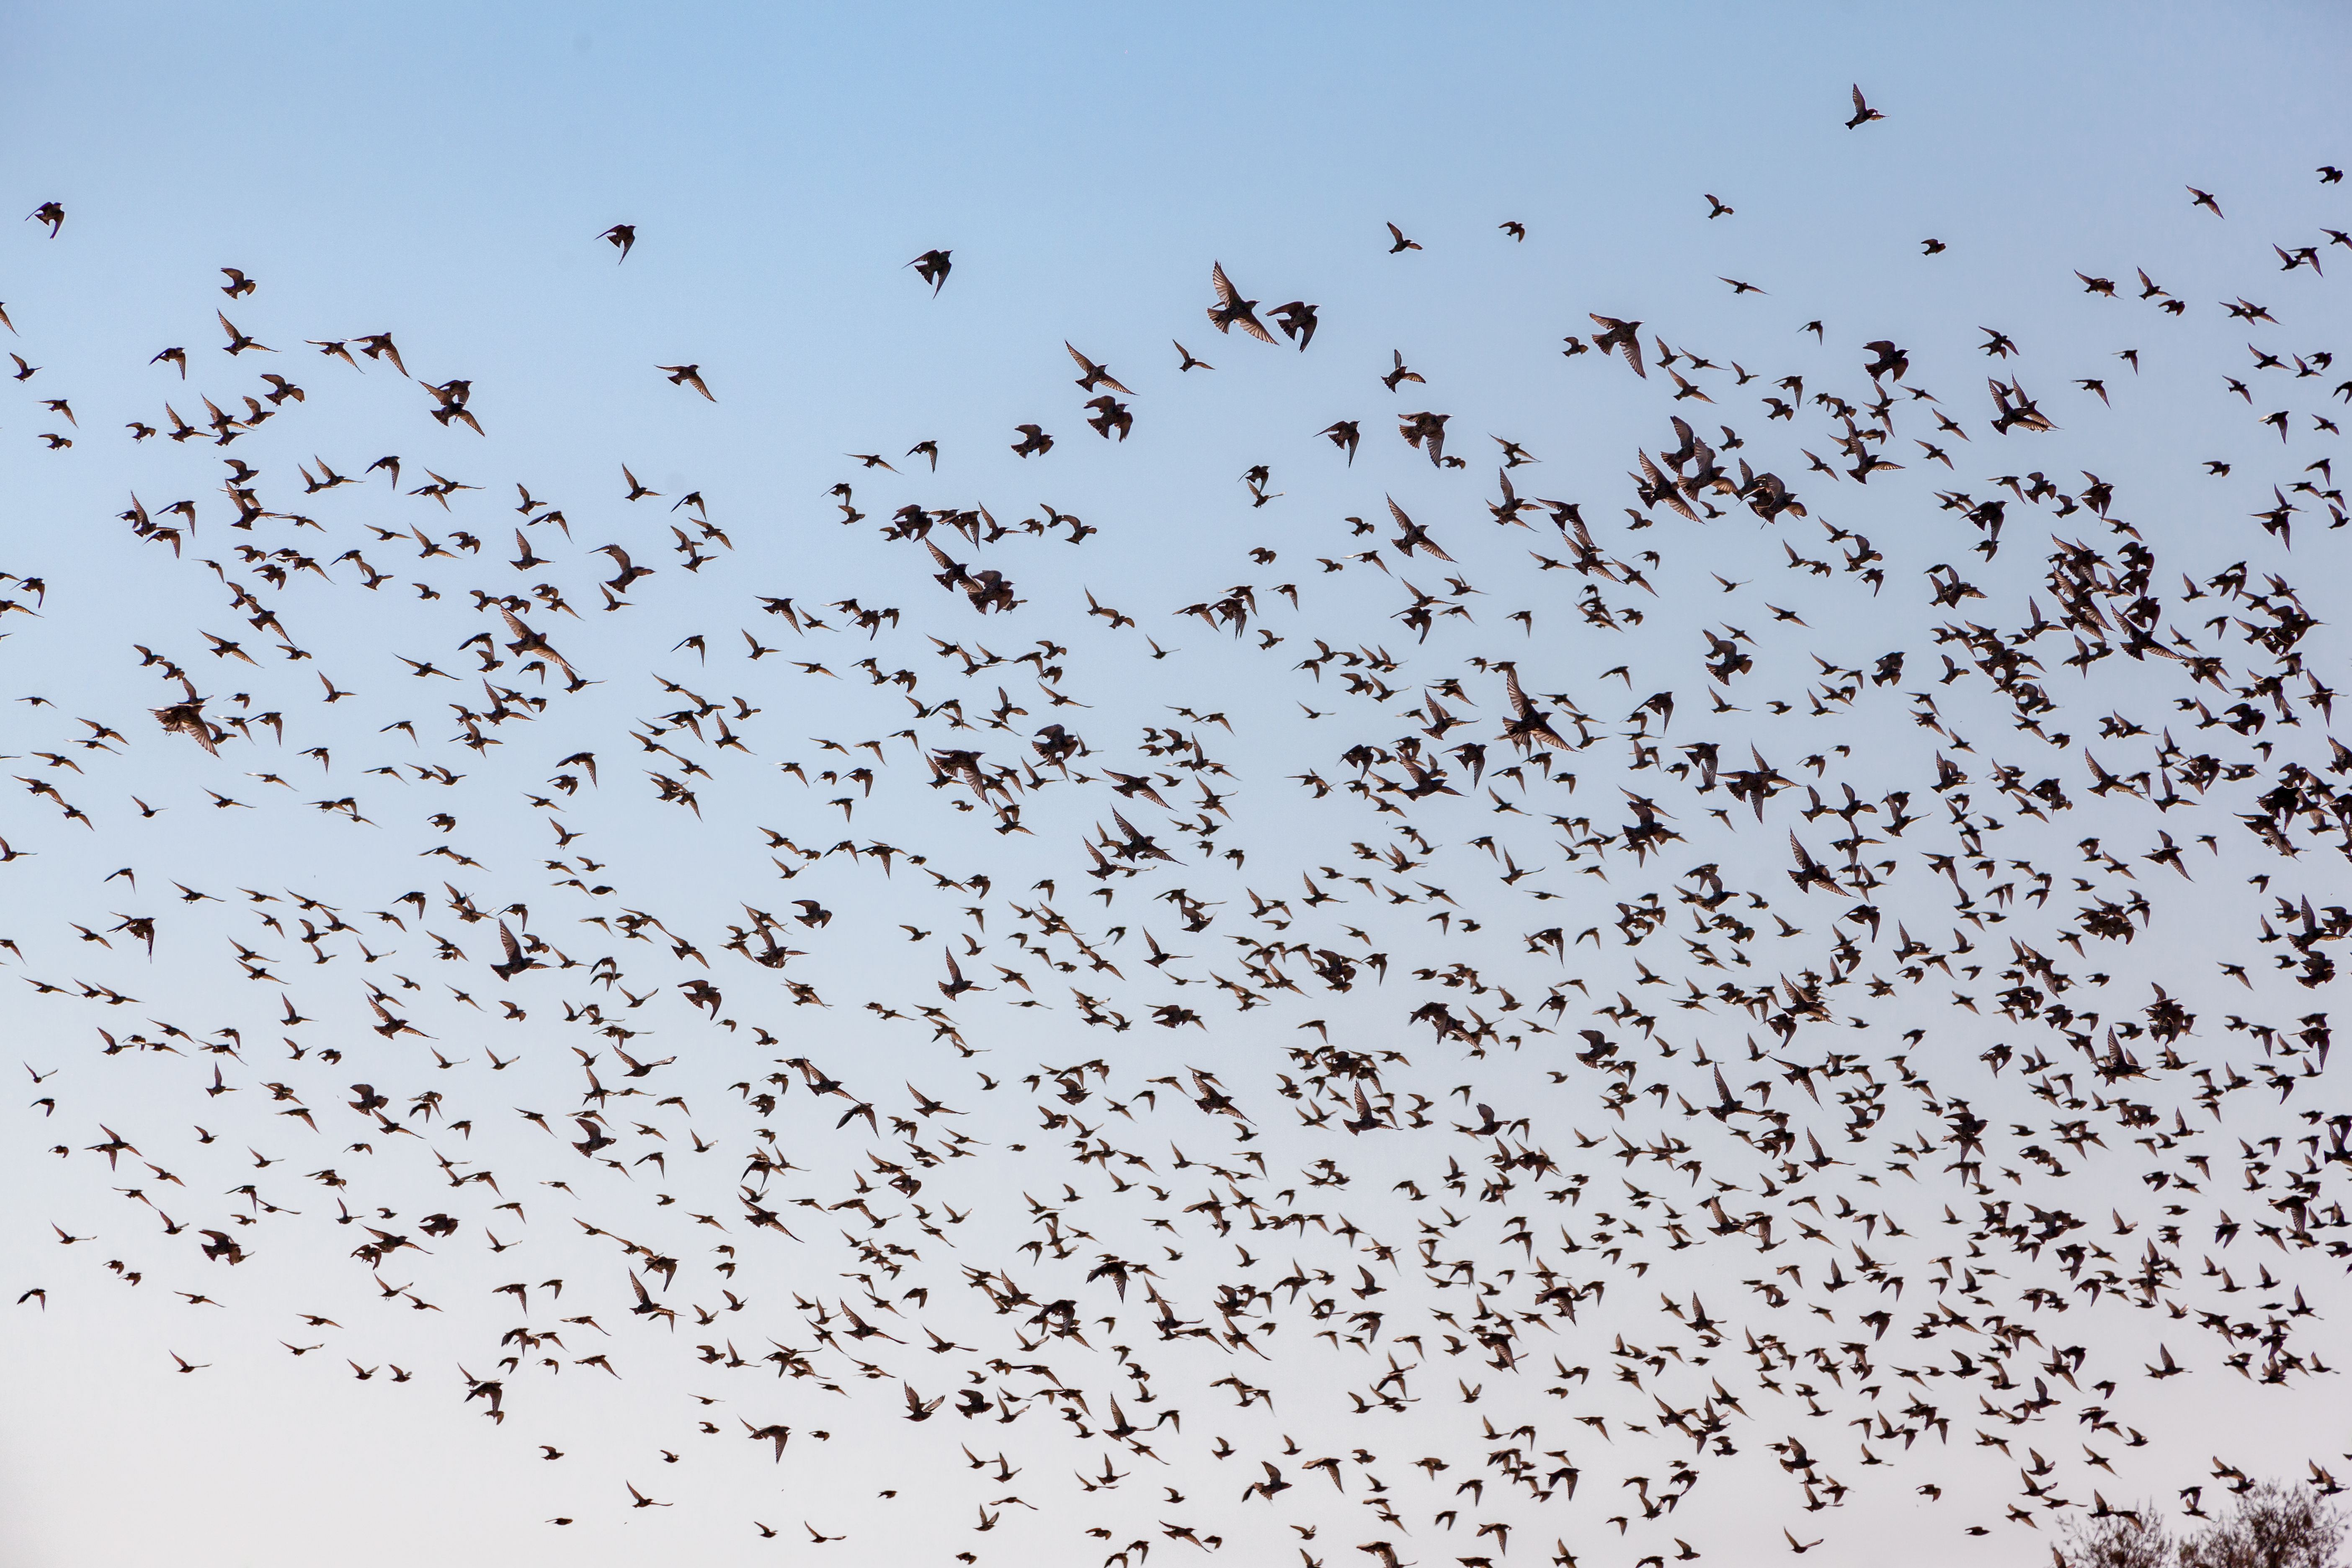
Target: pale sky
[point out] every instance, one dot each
(442, 175)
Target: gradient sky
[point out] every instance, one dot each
(442, 172)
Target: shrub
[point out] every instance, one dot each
(2274, 1525)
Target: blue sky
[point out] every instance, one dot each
(443, 173)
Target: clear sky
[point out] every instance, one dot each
(443, 174)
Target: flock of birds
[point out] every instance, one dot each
(1798, 1095)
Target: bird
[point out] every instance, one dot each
(1232, 310)
(1620, 336)
(239, 343)
(1092, 376)
(933, 267)
(623, 238)
(1862, 113)
(687, 375)
(1298, 320)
